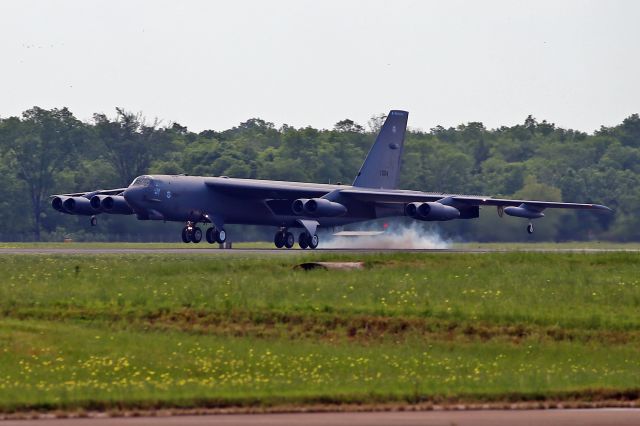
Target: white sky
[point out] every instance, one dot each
(213, 64)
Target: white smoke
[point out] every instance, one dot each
(397, 237)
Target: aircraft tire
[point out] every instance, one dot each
(303, 240)
(289, 240)
(313, 241)
(278, 240)
(210, 236)
(186, 238)
(221, 236)
(196, 235)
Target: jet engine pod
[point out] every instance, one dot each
(298, 206)
(411, 210)
(57, 202)
(96, 201)
(78, 205)
(431, 211)
(115, 204)
(318, 207)
(523, 211)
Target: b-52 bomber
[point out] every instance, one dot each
(223, 200)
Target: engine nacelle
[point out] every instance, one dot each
(57, 203)
(77, 205)
(318, 207)
(523, 212)
(431, 211)
(298, 205)
(114, 204)
(96, 202)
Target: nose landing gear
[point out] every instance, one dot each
(186, 234)
(191, 233)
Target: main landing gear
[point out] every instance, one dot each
(284, 238)
(193, 234)
(216, 236)
(305, 240)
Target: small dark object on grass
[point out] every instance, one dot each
(308, 266)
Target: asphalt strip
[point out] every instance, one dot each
(564, 417)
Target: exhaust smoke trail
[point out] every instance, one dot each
(404, 237)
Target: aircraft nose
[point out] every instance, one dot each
(133, 195)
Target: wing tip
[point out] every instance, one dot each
(602, 208)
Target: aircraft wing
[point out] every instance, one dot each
(373, 195)
(540, 205)
(92, 193)
(267, 189)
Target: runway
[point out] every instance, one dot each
(280, 252)
(582, 417)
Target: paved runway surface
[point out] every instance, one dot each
(216, 251)
(590, 417)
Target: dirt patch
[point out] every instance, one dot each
(334, 326)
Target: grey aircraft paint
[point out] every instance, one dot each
(287, 205)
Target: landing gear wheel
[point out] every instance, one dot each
(93, 221)
(186, 235)
(303, 240)
(210, 235)
(196, 235)
(530, 228)
(221, 236)
(278, 240)
(313, 241)
(289, 240)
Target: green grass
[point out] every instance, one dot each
(569, 245)
(111, 331)
(63, 365)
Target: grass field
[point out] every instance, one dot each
(148, 331)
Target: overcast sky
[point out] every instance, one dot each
(211, 65)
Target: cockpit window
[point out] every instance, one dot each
(141, 181)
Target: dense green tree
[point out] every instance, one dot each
(130, 144)
(47, 151)
(38, 146)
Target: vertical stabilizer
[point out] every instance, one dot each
(381, 168)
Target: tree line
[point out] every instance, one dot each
(43, 152)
